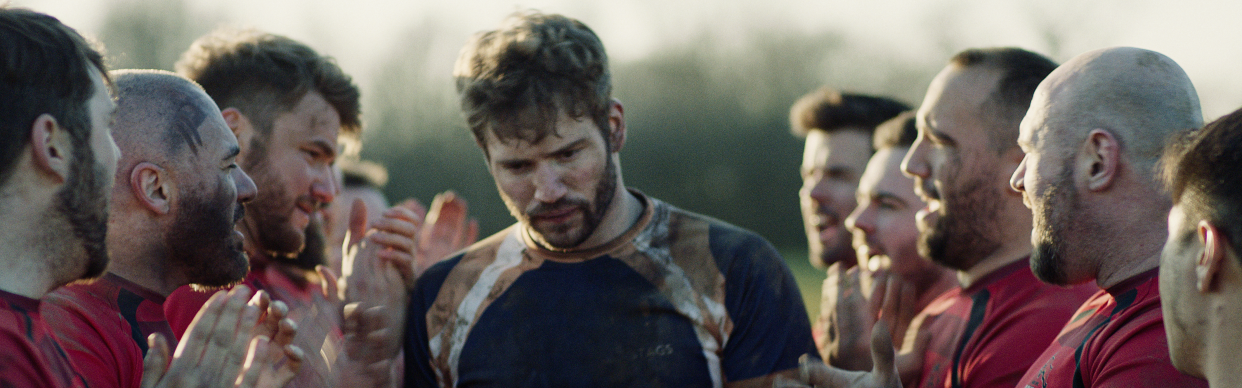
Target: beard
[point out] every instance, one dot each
(1050, 230)
(564, 236)
(963, 233)
(203, 240)
(271, 209)
(315, 250)
(83, 204)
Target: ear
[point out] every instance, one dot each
(1102, 158)
(50, 147)
(152, 187)
(1214, 252)
(616, 119)
(241, 127)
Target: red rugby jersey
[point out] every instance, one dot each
(104, 326)
(1116, 339)
(989, 334)
(29, 355)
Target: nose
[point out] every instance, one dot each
(862, 219)
(323, 188)
(246, 189)
(1019, 175)
(549, 187)
(915, 162)
(816, 188)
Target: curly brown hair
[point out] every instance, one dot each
(515, 80)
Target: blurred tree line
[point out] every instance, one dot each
(707, 120)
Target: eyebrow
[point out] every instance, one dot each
(325, 147)
(569, 146)
(891, 196)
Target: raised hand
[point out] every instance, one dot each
(448, 229)
(374, 289)
(814, 373)
(220, 349)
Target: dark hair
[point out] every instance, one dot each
(829, 110)
(514, 81)
(898, 132)
(1021, 73)
(263, 74)
(1201, 172)
(45, 70)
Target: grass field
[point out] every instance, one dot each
(808, 277)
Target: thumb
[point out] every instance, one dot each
(884, 368)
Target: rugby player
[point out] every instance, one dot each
(596, 284)
(1200, 269)
(1093, 136)
(837, 129)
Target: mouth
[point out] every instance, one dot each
(554, 216)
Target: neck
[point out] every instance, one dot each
(943, 280)
(28, 250)
(624, 211)
(1133, 241)
(149, 271)
(1008, 254)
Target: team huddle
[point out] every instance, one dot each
(1029, 225)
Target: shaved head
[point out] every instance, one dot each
(1093, 136)
(182, 192)
(158, 114)
(1140, 96)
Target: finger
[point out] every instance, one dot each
(262, 302)
(392, 240)
(394, 225)
(293, 362)
(198, 335)
(447, 218)
(226, 350)
(257, 362)
(357, 221)
(403, 263)
(885, 368)
(880, 297)
(155, 364)
(287, 330)
(414, 205)
(329, 284)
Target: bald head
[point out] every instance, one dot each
(1140, 96)
(159, 114)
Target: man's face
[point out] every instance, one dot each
(1182, 304)
(831, 165)
(883, 223)
(207, 245)
(955, 170)
(292, 167)
(1045, 179)
(559, 187)
(83, 201)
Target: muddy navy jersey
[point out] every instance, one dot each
(679, 300)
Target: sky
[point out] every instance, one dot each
(1201, 35)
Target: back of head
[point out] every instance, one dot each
(264, 74)
(900, 132)
(515, 80)
(1140, 96)
(158, 116)
(829, 110)
(44, 69)
(1021, 71)
(1201, 171)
